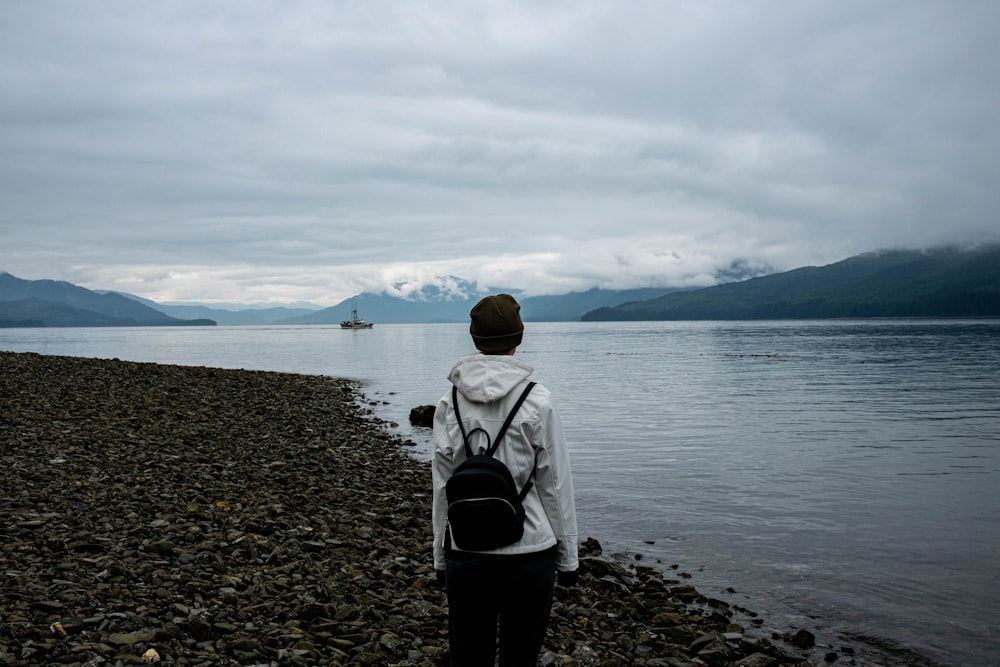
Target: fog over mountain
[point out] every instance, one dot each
(945, 282)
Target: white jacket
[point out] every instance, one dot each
(490, 385)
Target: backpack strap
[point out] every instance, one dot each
(491, 448)
(503, 429)
(510, 418)
(461, 426)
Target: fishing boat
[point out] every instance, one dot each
(355, 322)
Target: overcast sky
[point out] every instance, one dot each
(252, 151)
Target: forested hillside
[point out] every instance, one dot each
(945, 282)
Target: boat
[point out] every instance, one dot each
(356, 322)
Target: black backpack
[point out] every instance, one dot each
(485, 509)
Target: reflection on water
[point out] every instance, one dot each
(846, 469)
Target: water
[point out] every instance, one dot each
(842, 476)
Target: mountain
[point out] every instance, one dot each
(230, 317)
(943, 282)
(452, 304)
(571, 307)
(430, 303)
(33, 303)
(50, 303)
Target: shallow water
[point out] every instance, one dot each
(838, 475)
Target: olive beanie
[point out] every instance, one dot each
(496, 324)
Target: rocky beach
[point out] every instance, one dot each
(197, 516)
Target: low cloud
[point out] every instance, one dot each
(257, 152)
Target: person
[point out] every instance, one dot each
(506, 591)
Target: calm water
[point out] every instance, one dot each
(840, 476)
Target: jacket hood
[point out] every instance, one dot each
(484, 378)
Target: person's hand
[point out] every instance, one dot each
(568, 579)
(441, 578)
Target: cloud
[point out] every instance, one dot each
(265, 151)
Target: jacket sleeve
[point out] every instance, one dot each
(554, 483)
(442, 465)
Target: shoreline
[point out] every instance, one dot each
(209, 516)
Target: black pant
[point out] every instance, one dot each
(487, 592)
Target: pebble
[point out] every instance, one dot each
(197, 516)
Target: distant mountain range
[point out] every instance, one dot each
(943, 282)
(237, 316)
(48, 303)
(51, 303)
(433, 304)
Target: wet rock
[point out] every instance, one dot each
(590, 547)
(132, 638)
(803, 639)
(422, 415)
(757, 660)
